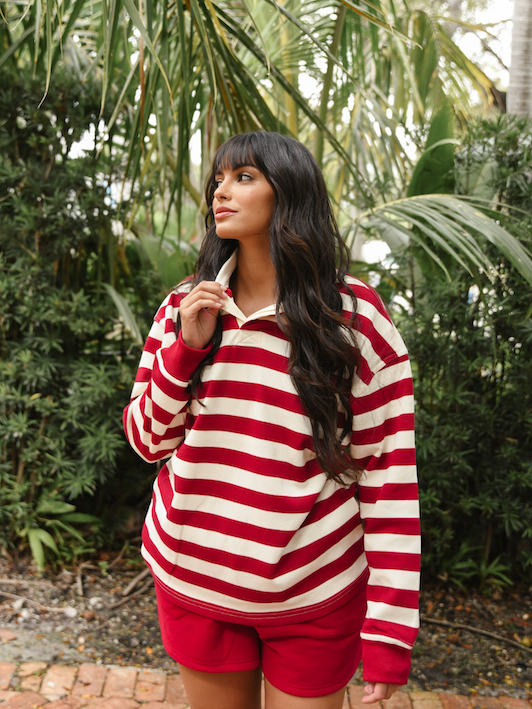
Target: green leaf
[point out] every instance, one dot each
(37, 537)
(48, 506)
(125, 313)
(79, 518)
(434, 170)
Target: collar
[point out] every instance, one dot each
(224, 278)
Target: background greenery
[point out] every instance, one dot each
(65, 367)
(91, 239)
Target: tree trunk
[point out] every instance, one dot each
(520, 89)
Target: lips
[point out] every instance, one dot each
(224, 212)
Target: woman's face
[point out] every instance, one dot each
(243, 204)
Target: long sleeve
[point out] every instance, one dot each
(383, 444)
(154, 420)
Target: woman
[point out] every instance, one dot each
(283, 532)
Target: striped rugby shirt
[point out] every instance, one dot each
(243, 525)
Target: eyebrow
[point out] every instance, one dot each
(235, 168)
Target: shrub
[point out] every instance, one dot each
(471, 345)
(64, 374)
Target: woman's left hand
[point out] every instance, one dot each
(378, 691)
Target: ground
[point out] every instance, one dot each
(45, 617)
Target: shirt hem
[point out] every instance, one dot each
(264, 618)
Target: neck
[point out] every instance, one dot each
(253, 283)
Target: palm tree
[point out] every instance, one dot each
(356, 81)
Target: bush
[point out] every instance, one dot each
(471, 346)
(64, 373)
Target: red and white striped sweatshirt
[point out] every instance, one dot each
(243, 524)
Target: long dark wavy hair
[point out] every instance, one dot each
(310, 260)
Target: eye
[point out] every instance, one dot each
(245, 176)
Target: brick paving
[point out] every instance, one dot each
(36, 684)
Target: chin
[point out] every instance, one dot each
(223, 234)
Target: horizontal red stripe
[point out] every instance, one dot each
(309, 583)
(286, 563)
(400, 456)
(398, 631)
(389, 491)
(403, 422)
(376, 525)
(256, 429)
(382, 397)
(215, 523)
(256, 356)
(244, 496)
(393, 560)
(246, 391)
(152, 345)
(246, 461)
(328, 506)
(393, 596)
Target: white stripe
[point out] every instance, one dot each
(145, 436)
(249, 374)
(246, 579)
(238, 512)
(248, 444)
(385, 639)
(390, 509)
(396, 474)
(389, 374)
(390, 443)
(393, 543)
(393, 614)
(167, 403)
(248, 480)
(147, 360)
(254, 411)
(269, 343)
(314, 596)
(394, 578)
(381, 414)
(252, 549)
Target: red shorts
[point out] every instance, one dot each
(309, 659)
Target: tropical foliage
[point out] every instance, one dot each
(381, 94)
(471, 344)
(339, 75)
(63, 353)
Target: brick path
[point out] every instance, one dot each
(37, 684)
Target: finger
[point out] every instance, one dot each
(209, 287)
(194, 306)
(379, 692)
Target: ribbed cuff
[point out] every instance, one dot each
(389, 664)
(180, 360)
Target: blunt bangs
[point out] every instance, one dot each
(235, 153)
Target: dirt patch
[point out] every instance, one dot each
(75, 617)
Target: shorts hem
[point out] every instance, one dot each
(214, 669)
(307, 692)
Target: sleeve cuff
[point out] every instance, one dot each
(389, 664)
(181, 361)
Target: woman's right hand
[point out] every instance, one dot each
(198, 311)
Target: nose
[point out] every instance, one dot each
(221, 191)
